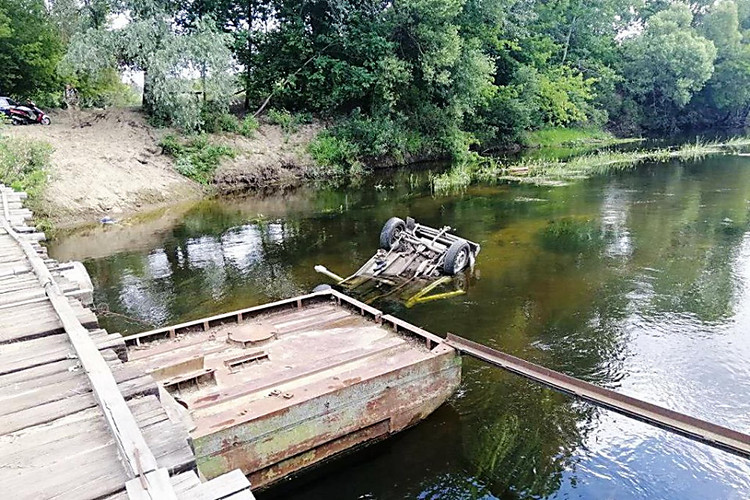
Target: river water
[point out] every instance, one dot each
(638, 281)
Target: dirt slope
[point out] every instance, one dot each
(109, 163)
(106, 163)
(270, 160)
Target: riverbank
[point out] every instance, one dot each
(102, 164)
(111, 163)
(93, 164)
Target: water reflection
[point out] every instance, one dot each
(638, 282)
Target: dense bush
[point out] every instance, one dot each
(334, 154)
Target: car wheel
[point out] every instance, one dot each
(391, 231)
(456, 258)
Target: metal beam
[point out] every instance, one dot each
(708, 433)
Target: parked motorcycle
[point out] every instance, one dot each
(28, 114)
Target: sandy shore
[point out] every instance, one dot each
(109, 163)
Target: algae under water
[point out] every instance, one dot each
(638, 281)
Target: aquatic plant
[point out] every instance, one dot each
(572, 136)
(570, 234)
(552, 171)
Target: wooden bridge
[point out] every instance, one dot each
(75, 422)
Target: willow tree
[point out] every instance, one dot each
(182, 69)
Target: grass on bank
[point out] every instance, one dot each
(25, 166)
(559, 171)
(227, 122)
(552, 137)
(289, 122)
(195, 157)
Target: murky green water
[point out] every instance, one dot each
(638, 282)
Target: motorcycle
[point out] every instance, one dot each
(28, 114)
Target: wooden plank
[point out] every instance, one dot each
(185, 481)
(222, 486)
(42, 438)
(37, 372)
(152, 486)
(30, 393)
(87, 472)
(18, 356)
(40, 319)
(169, 443)
(34, 446)
(64, 414)
(52, 410)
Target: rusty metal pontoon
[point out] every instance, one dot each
(276, 388)
(413, 260)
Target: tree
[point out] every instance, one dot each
(666, 65)
(181, 68)
(726, 97)
(30, 49)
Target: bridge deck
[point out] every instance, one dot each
(75, 422)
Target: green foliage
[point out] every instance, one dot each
(336, 155)
(248, 126)
(24, 164)
(684, 60)
(221, 121)
(103, 90)
(564, 96)
(196, 158)
(571, 234)
(289, 122)
(169, 58)
(30, 48)
(218, 121)
(398, 81)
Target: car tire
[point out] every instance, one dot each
(390, 232)
(456, 258)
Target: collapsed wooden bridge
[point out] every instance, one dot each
(75, 421)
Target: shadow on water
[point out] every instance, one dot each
(636, 281)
